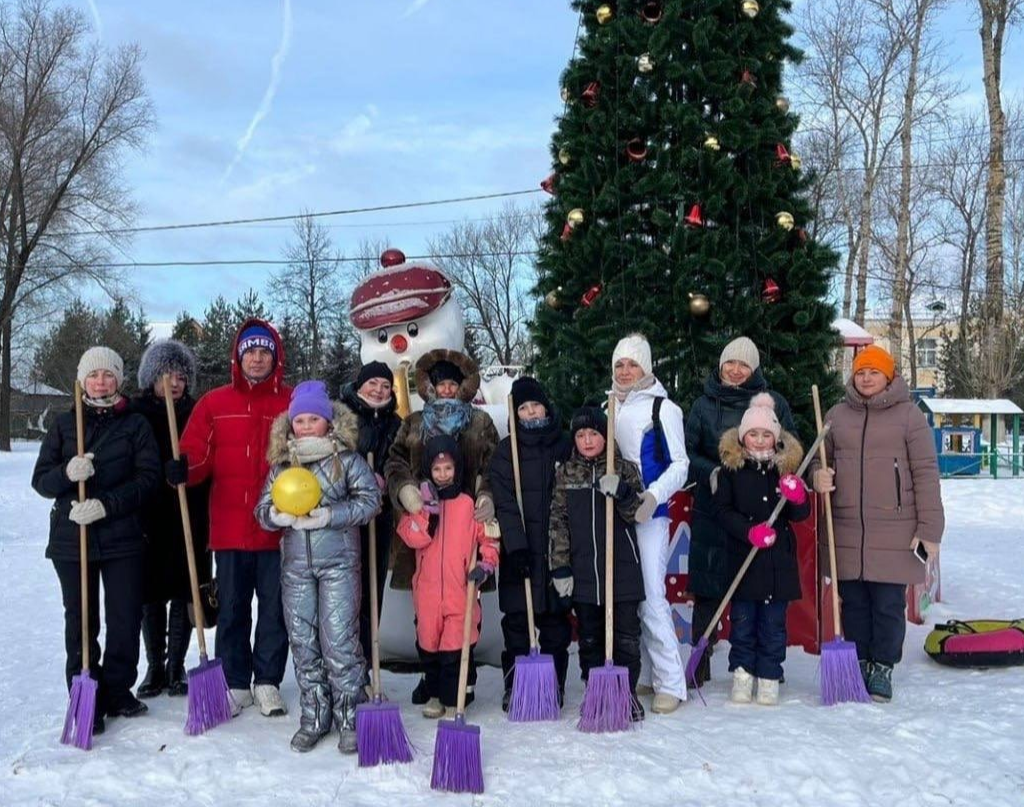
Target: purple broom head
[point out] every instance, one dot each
(81, 712)
(534, 689)
(607, 700)
(841, 680)
(458, 765)
(380, 734)
(208, 699)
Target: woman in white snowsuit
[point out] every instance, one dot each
(649, 432)
(320, 560)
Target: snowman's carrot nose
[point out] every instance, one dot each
(399, 343)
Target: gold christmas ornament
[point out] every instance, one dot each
(711, 143)
(564, 93)
(751, 8)
(575, 217)
(782, 104)
(295, 491)
(564, 157)
(699, 304)
(785, 220)
(794, 161)
(604, 14)
(644, 63)
(552, 300)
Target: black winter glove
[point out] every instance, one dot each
(519, 560)
(176, 471)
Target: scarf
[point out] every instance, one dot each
(622, 392)
(371, 404)
(760, 456)
(307, 450)
(103, 403)
(445, 416)
(535, 425)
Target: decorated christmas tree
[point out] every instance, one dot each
(678, 207)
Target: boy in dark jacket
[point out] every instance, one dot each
(577, 549)
(758, 463)
(524, 536)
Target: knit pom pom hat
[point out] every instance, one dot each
(760, 415)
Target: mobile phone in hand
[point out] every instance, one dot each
(921, 553)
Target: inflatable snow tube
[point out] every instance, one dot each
(977, 643)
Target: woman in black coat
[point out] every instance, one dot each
(166, 627)
(371, 397)
(121, 467)
(727, 394)
(524, 548)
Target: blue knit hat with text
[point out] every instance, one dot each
(256, 336)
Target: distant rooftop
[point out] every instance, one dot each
(971, 406)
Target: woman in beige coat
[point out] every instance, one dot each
(886, 501)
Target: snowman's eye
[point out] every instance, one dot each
(413, 329)
(382, 335)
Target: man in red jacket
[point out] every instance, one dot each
(226, 441)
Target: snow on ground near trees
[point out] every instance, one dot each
(950, 737)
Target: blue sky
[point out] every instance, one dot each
(269, 107)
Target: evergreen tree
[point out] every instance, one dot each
(128, 334)
(249, 305)
(186, 330)
(56, 358)
(342, 360)
(215, 343)
(671, 172)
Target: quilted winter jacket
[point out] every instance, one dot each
(887, 485)
(442, 566)
(127, 464)
(226, 441)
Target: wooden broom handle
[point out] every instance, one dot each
(186, 522)
(467, 633)
(374, 605)
(83, 536)
(832, 566)
(513, 433)
(609, 537)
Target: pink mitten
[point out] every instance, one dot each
(792, 489)
(429, 494)
(761, 535)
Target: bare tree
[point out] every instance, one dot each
(67, 113)
(491, 265)
(307, 290)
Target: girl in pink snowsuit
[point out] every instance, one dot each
(446, 539)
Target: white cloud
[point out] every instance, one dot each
(276, 63)
(97, 20)
(415, 6)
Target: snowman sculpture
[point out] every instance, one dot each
(402, 311)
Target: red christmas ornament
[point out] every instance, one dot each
(590, 93)
(651, 12)
(590, 295)
(636, 150)
(800, 236)
(771, 293)
(748, 78)
(695, 218)
(781, 155)
(566, 232)
(548, 184)
(391, 257)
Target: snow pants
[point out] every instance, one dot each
(625, 638)
(555, 636)
(758, 637)
(874, 617)
(661, 665)
(321, 607)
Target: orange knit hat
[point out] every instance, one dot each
(875, 358)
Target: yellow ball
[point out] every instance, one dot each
(295, 491)
(575, 216)
(751, 8)
(604, 14)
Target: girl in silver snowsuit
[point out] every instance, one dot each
(320, 566)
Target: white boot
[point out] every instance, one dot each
(767, 692)
(240, 698)
(433, 709)
(742, 686)
(268, 698)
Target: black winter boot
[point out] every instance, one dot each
(179, 633)
(154, 634)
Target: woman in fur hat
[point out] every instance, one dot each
(758, 463)
(167, 594)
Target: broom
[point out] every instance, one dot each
(702, 645)
(841, 680)
(458, 763)
(380, 734)
(607, 699)
(535, 683)
(82, 704)
(208, 704)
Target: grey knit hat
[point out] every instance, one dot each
(167, 356)
(100, 358)
(741, 349)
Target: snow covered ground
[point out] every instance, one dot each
(950, 737)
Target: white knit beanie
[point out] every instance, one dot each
(741, 349)
(100, 358)
(761, 415)
(634, 347)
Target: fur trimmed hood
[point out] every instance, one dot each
(470, 384)
(788, 451)
(167, 356)
(344, 433)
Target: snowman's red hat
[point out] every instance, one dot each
(397, 294)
